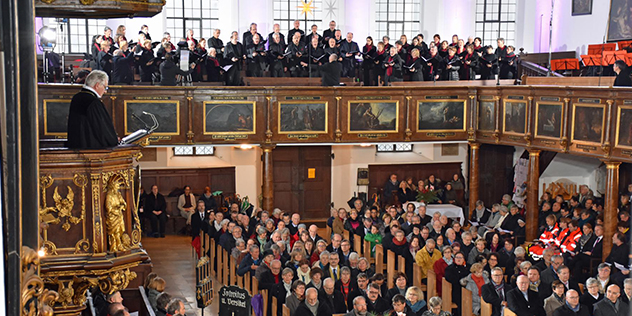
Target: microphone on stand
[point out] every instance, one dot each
(141, 133)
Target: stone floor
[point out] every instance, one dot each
(173, 261)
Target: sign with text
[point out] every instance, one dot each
(234, 301)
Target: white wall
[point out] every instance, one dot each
(247, 165)
(348, 158)
(580, 170)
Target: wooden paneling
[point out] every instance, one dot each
(302, 180)
(170, 180)
(495, 173)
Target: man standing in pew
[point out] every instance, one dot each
(199, 220)
(523, 301)
(495, 292)
(235, 54)
(349, 50)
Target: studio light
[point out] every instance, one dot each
(245, 147)
(47, 38)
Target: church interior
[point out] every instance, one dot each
(316, 157)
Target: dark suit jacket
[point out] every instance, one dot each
(122, 69)
(331, 74)
(267, 280)
(89, 123)
(154, 203)
(623, 79)
(517, 303)
(567, 311)
(336, 302)
(323, 310)
(488, 293)
(589, 300)
(278, 291)
(379, 307)
(604, 308)
(197, 224)
(244, 266)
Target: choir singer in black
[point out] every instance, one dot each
(89, 123)
(331, 72)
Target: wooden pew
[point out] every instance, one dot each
(379, 259)
(468, 83)
(286, 310)
(390, 268)
(357, 245)
(417, 276)
(232, 268)
(275, 306)
(327, 236)
(401, 265)
(446, 296)
(219, 272)
(225, 267)
(212, 257)
(247, 279)
(255, 286)
(431, 282)
(345, 235)
(508, 312)
(486, 308)
(367, 251)
(466, 302)
(568, 81)
(264, 294)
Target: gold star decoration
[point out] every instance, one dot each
(307, 7)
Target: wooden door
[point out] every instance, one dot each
(302, 180)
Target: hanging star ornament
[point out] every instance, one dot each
(331, 8)
(307, 7)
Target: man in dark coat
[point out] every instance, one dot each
(572, 306)
(281, 290)
(331, 296)
(375, 303)
(331, 72)
(523, 301)
(250, 263)
(89, 123)
(611, 305)
(311, 306)
(122, 67)
(199, 220)
(270, 277)
(156, 208)
(623, 74)
(495, 292)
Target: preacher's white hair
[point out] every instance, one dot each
(96, 76)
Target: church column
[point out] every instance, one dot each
(533, 195)
(473, 172)
(610, 205)
(268, 178)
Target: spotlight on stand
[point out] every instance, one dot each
(47, 42)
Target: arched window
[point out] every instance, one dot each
(397, 17)
(202, 16)
(286, 11)
(494, 19)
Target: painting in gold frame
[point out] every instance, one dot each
(306, 117)
(587, 124)
(373, 117)
(441, 116)
(487, 115)
(230, 117)
(56, 117)
(514, 117)
(548, 120)
(624, 127)
(167, 114)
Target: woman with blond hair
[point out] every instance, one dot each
(474, 282)
(156, 286)
(415, 300)
(434, 308)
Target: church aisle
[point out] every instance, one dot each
(173, 261)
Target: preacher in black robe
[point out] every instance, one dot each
(89, 123)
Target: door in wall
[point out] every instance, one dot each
(302, 180)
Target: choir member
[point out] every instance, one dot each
(460, 49)
(401, 51)
(393, 64)
(213, 69)
(312, 34)
(234, 54)
(107, 37)
(256, 57)
(317, 57)
(195, 61)
(146, 61)
(470, 40)
(296, 51)
(247, 37)
(455, 40)
(276, 29)
(489, 64)
(349, 50)
(369, 53)
(378, 73)
(387, 46)
(331, 72)
(276, 58)
(415, 66)
(443, 50)
(501, 50)
(434, 64)
(96, 48)
(120, 35)
(508, 64)
(404, 40)
(477, 46)
(217, 43)
(623, 74)
(470, 63)
(296, 29)
(423, 51)
(330, 32)
(104, 59)
(338, 37)
(122, 66)
(332, 48)
(190, 37)
(145, 30)
(452, 65)
(436, 39)
(138, 46)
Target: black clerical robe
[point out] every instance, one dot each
(89, 123)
